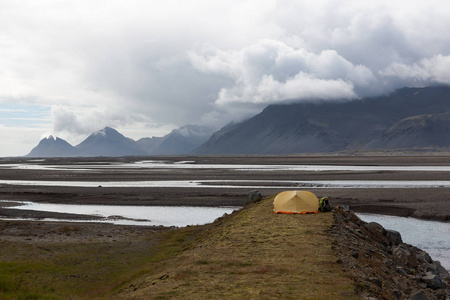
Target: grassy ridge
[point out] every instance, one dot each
(252, 254)
(86, 270)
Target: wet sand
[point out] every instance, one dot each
(427, 203)
(119, 248)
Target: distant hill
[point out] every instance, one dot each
(149, 144)
(180, 141)
(109, 142)
(53, 147)
(339, 125)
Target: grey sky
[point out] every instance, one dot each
(145, 67)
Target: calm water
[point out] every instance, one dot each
(241, 184)
(430, 236)
(153, 164)
(179, 216)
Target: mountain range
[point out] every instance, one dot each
(109, 142)
(405, 119)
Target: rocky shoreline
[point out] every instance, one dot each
(382, 266)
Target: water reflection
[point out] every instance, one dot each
(241, 184)
(179, 216)
(161, 164)
(430, 236)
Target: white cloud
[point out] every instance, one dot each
(149, 66)
(434, 69)
(271, 71)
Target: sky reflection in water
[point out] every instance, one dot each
(179, 216)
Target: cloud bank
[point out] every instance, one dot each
(149, 66)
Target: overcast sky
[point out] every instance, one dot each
(68, 68)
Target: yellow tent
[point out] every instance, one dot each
(296, 202)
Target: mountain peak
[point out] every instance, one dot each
(53, 147)
(106, 131)
(109, 142)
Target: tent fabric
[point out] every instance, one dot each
(296, 202)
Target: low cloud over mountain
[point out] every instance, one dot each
(407, 118)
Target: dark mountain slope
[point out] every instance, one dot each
(109, 142)
(149, 144)
(325, 126)
(53, 147)
(180, 141)
(418, 131)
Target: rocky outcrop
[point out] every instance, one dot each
(382, 265)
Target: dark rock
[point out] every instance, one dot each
(402, 271)
(393, 237)
(411, 260)
(375, 281)
(385, 267)
(401, 252)
(375, 231)
(424, 257)
(255, 196)
(432, 281)
(396, 294)
(417, 295)
(444, 273)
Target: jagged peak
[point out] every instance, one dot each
(48, 137)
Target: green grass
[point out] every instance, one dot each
(252, 253)
(82, 271)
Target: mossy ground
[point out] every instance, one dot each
(90, 269)
(251, 254)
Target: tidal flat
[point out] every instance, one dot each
(86, 253)
(397, 185)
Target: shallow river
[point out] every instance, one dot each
(430, 236)
(157, 164)
(433, 237)
(241, 184)
(179, 216)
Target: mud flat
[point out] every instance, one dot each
(81, 256)
(427, 203)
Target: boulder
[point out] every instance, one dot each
(417, 295)
(255, 196)
(382, 265)
(401, 252)
(433, 281)
(375, 232)
(393, 237)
